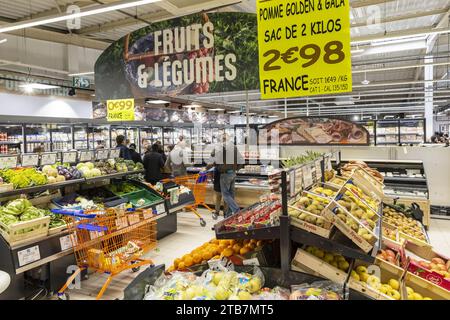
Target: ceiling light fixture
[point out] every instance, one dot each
(156, 102)
(58, 18)
(365, 81)
(3, 41)
(192, 106)
(216, 109)
(81, 74)
(38, 86)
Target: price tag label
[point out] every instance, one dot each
(121, 223)
(8, 162)
(147, 214)
(251, 262)
(133, 219)
(318, 170)
(328, 165)
(28, 255)
(102, 154)
(30, 160)
(85, 156)
(120, 110)
(174, 195)
(114, 153)
(66, 242)
(48, 158)
(95, 234)
(69, 157)
(307, 176)
(160, 208)
(292, 183)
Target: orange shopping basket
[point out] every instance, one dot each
(197, 183)
(109, 241)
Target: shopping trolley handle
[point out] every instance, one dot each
(74, 213)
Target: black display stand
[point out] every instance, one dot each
(289, 234)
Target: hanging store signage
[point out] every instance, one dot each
(120, 110)
(195, 54)
(315, 131)
(82, 83)
(304, 47)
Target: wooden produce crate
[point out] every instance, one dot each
(295, 213)
(424, 287)
(25, 230)
(386, 272)
(424, 205)
(371, 186)
(308, 262)
(388, 228)
(334, 181)
(330, 214)
(56, 230)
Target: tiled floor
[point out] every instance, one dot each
(190, 235)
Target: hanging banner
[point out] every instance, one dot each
(120, 110)
(315, 131)
(304, 47)
(190, 55)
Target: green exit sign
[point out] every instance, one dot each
(82, 83)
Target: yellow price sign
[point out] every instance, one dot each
(120, 110)
(304, 47)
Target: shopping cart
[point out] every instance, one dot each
(197, 183)
(109, 241)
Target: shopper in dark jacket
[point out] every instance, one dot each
(153, 164)
(218, 194)
(124, 151)
(135, 156)
(161, 150)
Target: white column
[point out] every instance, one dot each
(428, 95)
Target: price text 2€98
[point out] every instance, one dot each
(304, 47)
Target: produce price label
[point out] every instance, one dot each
(318, 170)
(307, 176)
(8, 162)
(85, 156)
(66, 242)
(30, 160)
(133, 219)
(102, 154)
(304, 47)
(328, 165)
(48, 158)
(120, 110)
(160, 208)
(69, 157)
(114, 153)
(28, 255)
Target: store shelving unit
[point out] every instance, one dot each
(395, 131)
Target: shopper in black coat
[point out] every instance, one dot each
(135, 156)
(153, 164)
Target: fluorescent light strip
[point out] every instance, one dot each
(38, 86)
(156, 102)
(81, 74)
(216, 109)
(59, 18)
(3, 41)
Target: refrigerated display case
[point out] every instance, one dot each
(115, 132)
(387, 132)
(371, 128)
(11, 139)
(412, 131)
(80, 136)
(37, 138)
(99, 137)
(61, 137)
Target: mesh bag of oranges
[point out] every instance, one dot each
(215, 249)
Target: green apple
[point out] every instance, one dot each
(244, 295)
(394, 284)
(222, 293)
(328, 258)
